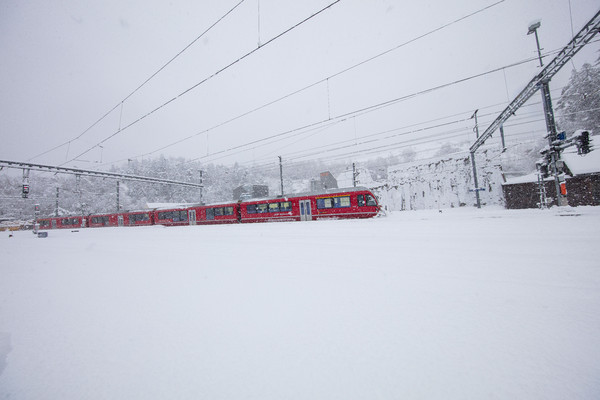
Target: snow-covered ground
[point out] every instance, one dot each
(464, 304)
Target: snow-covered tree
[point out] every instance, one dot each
(579, 105)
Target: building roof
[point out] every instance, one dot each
(576, 163)
(586, 163)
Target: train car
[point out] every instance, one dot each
(271, 210)
(344, 203)
(332, 204)
(171, 217)
(102, 220)
(45, 223)
(133, 218)
(226, 213)
(62, 222)
(136, 218)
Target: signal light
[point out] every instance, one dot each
(25, 191)
(584, 143)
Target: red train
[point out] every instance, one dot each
(333, 204)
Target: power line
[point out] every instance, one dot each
(365, 110)
(206, 79)
(324, 80)
(139, 87)
(312, 128)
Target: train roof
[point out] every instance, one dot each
(313, 193)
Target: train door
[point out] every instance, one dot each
(305, 211)
(210, 214)
(53, 224)
(120, 220)
(192, 217)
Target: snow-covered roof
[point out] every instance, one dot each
(577, 164)
(532, 177)
(586, 163)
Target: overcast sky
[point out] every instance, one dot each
(65, 64)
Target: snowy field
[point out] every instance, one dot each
(464, 304)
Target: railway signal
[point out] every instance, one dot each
(583, 142)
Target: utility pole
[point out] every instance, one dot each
(201, 181)
(475, 180)
(579, 41)
(78, 190)
(549, 116)
(281, 174)
(476, 130)
(354, 175)
(56, 209)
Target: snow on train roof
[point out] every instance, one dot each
(313, 193)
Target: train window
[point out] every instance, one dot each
(222, 211)
(273, 207)
(341, 202)
(285, 206)
(180, 215)
(366, 200)
(262, 208)
(143, 217)
(325, 203)
(44, 223)
(100, 220)
(251, 209)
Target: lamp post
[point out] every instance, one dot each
(549, 116)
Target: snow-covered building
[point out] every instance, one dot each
(443, 182)
(581, 177)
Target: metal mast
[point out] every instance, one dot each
(540, 81)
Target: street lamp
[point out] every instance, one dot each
(533, 29)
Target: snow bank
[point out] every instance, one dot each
(460, 304)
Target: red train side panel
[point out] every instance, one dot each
(274, 210)
(335, 204)
(62, 223)
(171, 217)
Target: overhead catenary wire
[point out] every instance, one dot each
(344, 117)
(120, 104)
(188, 90)
(525, 119)
(321, 81)
(364, 110)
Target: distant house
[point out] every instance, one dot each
(327, 181)
(582, 178)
